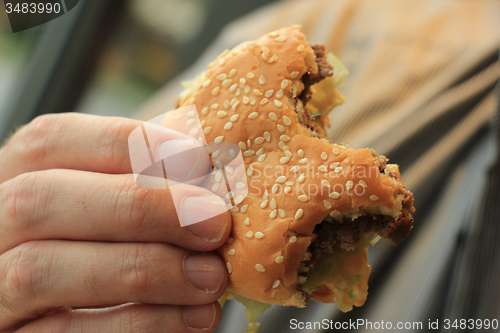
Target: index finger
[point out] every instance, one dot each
(87, 143)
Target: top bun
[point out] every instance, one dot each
(251, 96)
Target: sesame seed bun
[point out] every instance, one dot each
(296, 177)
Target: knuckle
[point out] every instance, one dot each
(18, 197)
(135, 208)
(23, 273)
(34, 138)
(115, 141)
(135, 266)
(138, 319)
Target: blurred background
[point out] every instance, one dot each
(105, 57)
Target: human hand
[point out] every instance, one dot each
(84, 249)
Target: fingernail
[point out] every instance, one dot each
(199, 316)
(205, 217)
(187, 158)
(204, 271)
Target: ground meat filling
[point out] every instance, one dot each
(308, 79)
(331, 233)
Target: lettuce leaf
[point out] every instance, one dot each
(253, 310)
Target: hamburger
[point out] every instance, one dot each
(313, 206)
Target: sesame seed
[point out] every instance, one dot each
(285, 138)
(259, 140)
(249, 143)
(301, 178)
(231, 252)
(221, 77)
(275, 188)
(300, 48)
(230, 240)
(215, 187)
(246, 100)
(363, 183)
(303, 160)
(252, 101)
(263, 101)
(207, 130)
(279, 94)
(281, 128)
(288, 154)
(203, 122)
(229, 267)
(228, 125)
(214, 106)
(219, 139)
(216, 153)
(218, 164)
(284, 160)
(234, 117)
(282, 213)
(250, 75)
(247, 89)
(218, 175)
(259, 235)
(226, 104)
(273, 116)
(222, 62)
(325, 183)
(303, 198)
(232, 72)
(221, 114)
(288, 189)
(280, 39)
(274, 58)
(334, 165)
(206, 83)
(266, 194)
(293, 239)
(278, 103)
(247, 221)
(373, 197)
(264, 203)
(273, 213)
(276, 284)
(235, 105)
(215, 91)
(260, 268)
(191, 113)
(242, 145)
(260, 151)
(257, 92)
(269, 93)
(190, 122)
(267, 136)
(347, 160)
(265, 49)
(300, 152)
(251, 45)
(227, 83)
(284, 84)
(243, 81)
(250, 170)
(261, 158)
(281, 179)
(238, 92)
(334, 195)
(249, 234)
(338, 169)
(327, 204)
(279, 259)
(194, 131)
(228, 168)
(240, 185)
(177, 116)
(335, 213)
(323, 168)
(238, 199)
(253, 115)
(273, 33)
(336, 151)
(248, 153)
(233, 88)
(192, 100)
(287, 121)
(295, 168)
(262, 80)
(244, 208)
(294, 74)
(349, 184)
(324, 156)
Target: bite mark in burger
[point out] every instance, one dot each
(313, 205)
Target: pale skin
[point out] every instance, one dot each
(84, 249)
